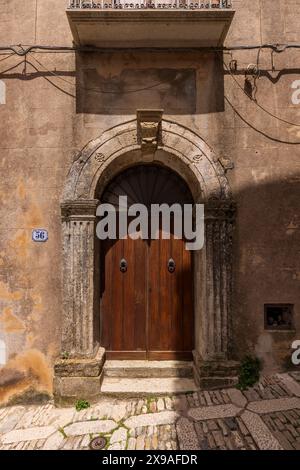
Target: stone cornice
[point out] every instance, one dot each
(79, 208)
(220, 210)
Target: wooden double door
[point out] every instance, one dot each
(147, 285)
(147, 299)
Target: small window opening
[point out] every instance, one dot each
(279, 317)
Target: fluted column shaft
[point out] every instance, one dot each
(78, 221)
(219, 219)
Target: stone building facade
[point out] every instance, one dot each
(226, 120)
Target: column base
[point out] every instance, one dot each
(215, 373)
(76, 379)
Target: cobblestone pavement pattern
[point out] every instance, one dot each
(266, 416)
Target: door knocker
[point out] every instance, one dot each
(123, 265)
(171, 265)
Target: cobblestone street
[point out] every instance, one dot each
(264, 417)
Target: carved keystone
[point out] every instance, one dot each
(149, 128)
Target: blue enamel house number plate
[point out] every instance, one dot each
(39, 235)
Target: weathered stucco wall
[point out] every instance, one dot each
(48, 118)
(36, 152)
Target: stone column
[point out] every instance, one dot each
(78, 370)
(216, 289)
(219, 220)
(78, 225)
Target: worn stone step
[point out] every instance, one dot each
(215, 383)
(141, 387)
(218, 368)
(148, 369)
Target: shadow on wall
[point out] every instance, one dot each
(266, 268)
(121, 86)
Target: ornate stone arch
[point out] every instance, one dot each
(117, 148)
(176, 140)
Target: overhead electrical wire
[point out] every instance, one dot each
(275, 47)
(227, 99)
(48, 80)
(7, 56)
(274, 139)
(93, 90)
(22, 50)
(255, 101)
(96, 90)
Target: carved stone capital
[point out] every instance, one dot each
(81, 209)
(220, 210)
(149, 128)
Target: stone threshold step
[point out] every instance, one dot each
(139, 387)
(148, 369)
(215, 383)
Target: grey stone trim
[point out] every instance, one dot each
(163, 417)
(187, 436)
(89, 427)
(214, 412)
(259, 431)
(270, 406)
(28, 434)
(290, 384)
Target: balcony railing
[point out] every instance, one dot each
(147, 5)
(149, 23)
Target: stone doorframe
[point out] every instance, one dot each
(79, 370)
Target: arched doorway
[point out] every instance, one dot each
(147, 305)
(94, 167)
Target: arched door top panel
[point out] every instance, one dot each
(147, 184)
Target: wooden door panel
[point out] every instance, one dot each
(137, 329)
(154, 294)
(171, 313)
(176, 296)
(159, 296)
(188, 327)
(106, 280)
(162, 341)
(129, 307)
(117, 298)
(124, 297)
